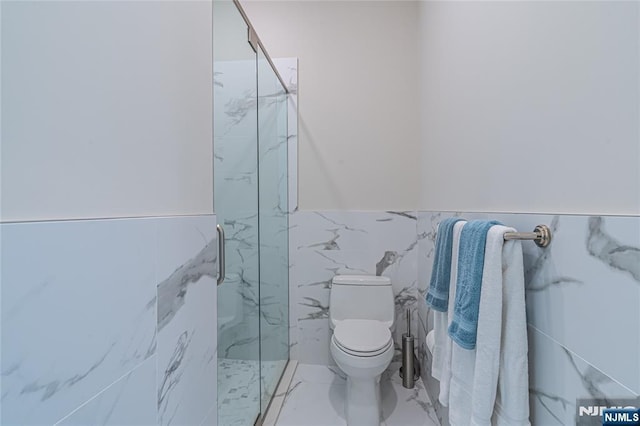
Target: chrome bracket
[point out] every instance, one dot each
(252, 38)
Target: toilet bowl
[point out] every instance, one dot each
(362, 349)
(361, 314)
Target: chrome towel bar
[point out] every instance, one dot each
(541, 235)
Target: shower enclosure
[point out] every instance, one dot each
(250, 196)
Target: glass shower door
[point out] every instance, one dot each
(236, 205)
(274, 249)
(250, 184)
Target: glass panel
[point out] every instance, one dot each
(274, 249)
(236, 206)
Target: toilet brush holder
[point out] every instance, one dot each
(409, 360)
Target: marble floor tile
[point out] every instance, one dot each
(238, 389)
(317, 393)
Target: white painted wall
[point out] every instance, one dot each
(510, 106)
(358, 71)
(106, 106)
(106, 109)
(530, 107)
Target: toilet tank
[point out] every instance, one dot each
(361, 297)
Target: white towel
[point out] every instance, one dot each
(500, 348)
(512, 403)
(441, 364)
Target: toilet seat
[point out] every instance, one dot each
(362, 338)
(362, 354)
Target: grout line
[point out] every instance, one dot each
(581, 358)
(102, 391)
(104, 219)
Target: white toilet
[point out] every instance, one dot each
(361, 314)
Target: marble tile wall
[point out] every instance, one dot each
(142, 332)
(109, 321)
(582, 295)
(324, 244)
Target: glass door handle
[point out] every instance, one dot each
(221, 260)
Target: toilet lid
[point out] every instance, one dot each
(362, 335)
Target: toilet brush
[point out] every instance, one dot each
(409, 360)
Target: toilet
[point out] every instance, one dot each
(361, 315)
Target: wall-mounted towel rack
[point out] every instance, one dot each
(541, 235)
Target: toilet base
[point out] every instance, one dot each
(362, 405)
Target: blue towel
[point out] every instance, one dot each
(464, 326)
(438, 295)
